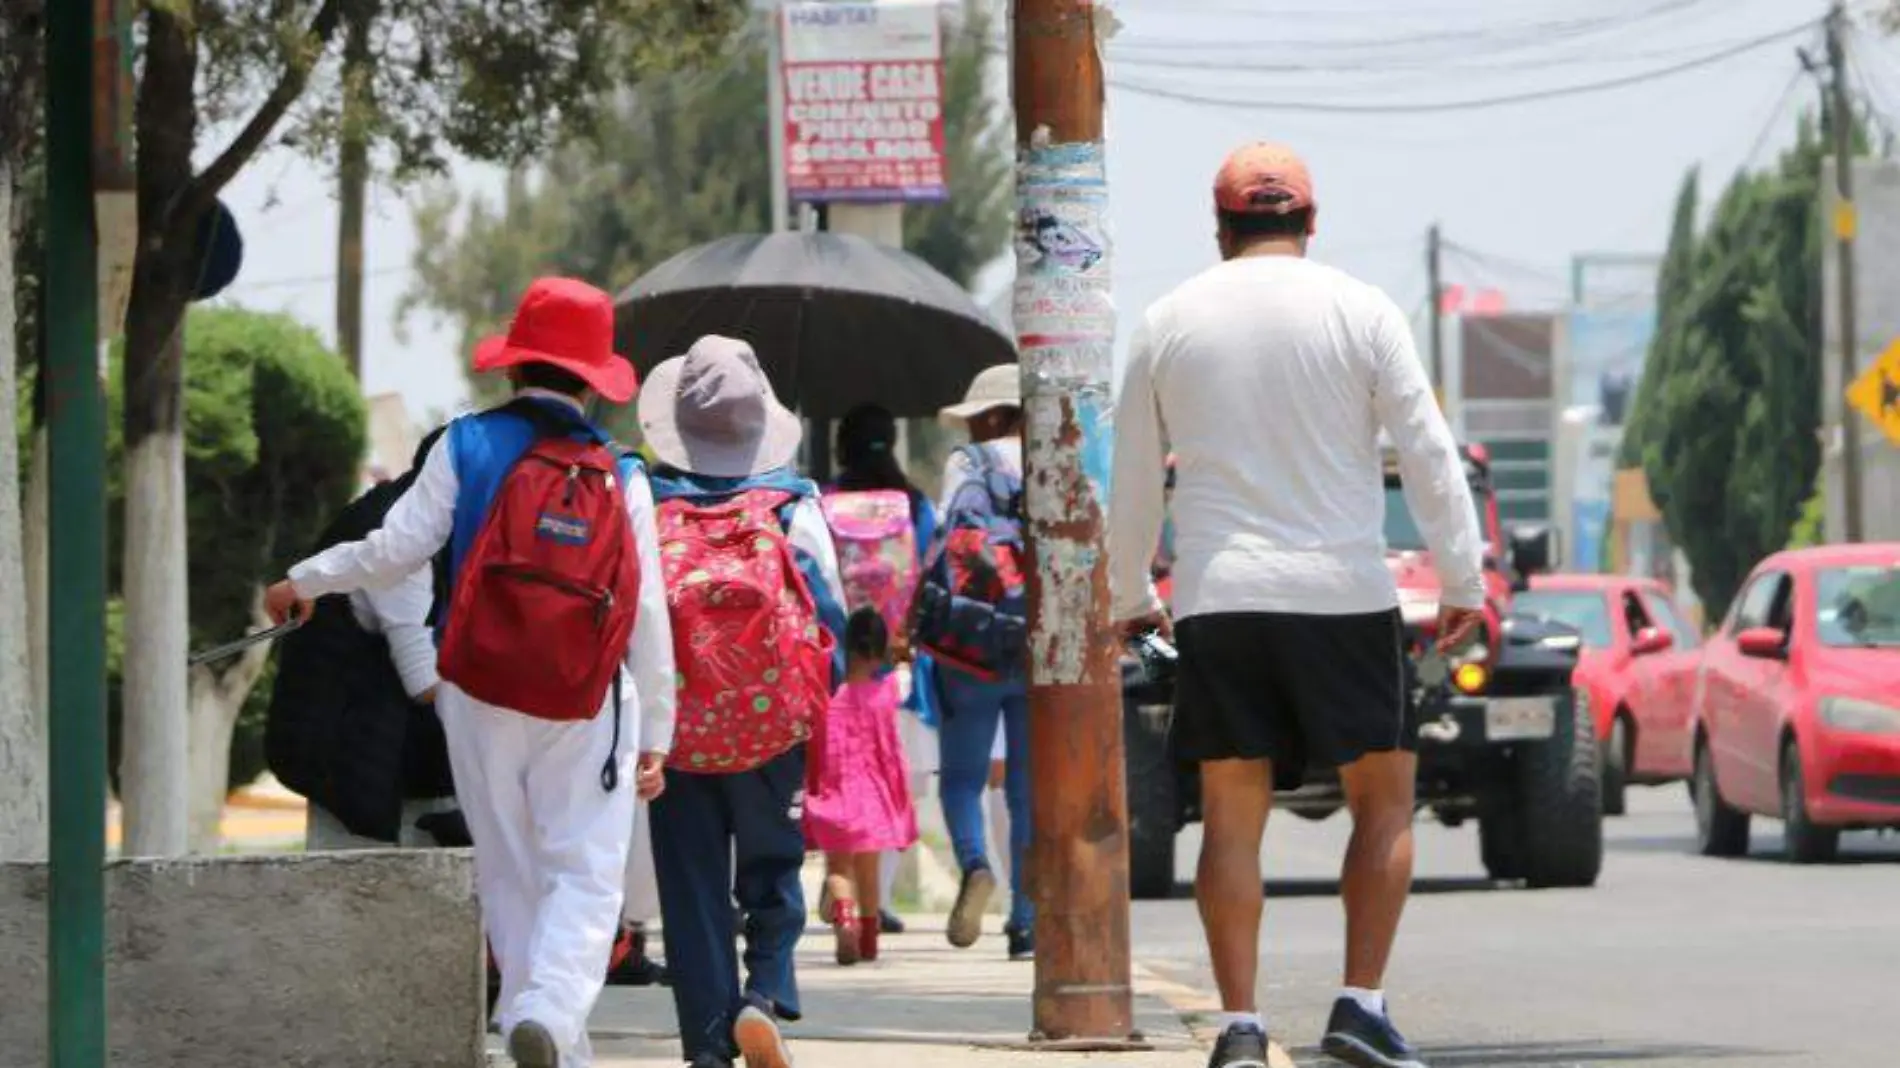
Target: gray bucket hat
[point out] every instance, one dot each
(713, 412)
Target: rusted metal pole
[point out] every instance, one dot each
(1066, 330)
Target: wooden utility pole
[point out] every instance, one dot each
(1841, 120)
(353, 184)
(1435, 288)
(1065, 322)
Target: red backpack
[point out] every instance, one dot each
(753, 661)
(545, 599)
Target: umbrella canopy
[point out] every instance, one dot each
(836, 320)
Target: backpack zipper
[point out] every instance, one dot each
(603, 599)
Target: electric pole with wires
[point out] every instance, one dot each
(1840, 113)
(1066, 327)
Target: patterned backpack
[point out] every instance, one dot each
(754, 664)
(877, 550)
(972, 605)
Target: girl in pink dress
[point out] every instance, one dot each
(857, 786)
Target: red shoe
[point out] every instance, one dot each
(845, 925)
(869, 928)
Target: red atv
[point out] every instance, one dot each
(1504, 739)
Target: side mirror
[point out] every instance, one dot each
(1530, 552)
(1766, 643)
(1652, 640)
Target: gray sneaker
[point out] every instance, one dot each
(759, 1040)
(530, 1045)
(966, 917)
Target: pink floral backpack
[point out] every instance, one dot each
(877, 551)
(754, 664)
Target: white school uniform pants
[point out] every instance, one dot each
(550, 855)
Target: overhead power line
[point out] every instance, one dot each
(1470, 104)
(1463, 38)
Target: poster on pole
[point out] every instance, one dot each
(863, 101)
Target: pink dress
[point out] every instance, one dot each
(857, 781)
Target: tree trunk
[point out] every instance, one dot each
(216, 699)
(154, 773)
(22, 743)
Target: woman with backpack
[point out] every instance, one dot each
(868, 464)
(972, 616)
(756, 607)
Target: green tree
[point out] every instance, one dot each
(491, 79)
(1725, 417)
(678, 161)
(275, 429)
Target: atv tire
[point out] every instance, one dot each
(1500, 844)
(1560, 803)
(1153, 810)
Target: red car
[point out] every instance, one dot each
(1797, 711)
(1638, 669)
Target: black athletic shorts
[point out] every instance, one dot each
(1303, 691)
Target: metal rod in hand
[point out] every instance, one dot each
(230, 649)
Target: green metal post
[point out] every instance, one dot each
(76, 434)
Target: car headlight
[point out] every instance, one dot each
(1859, 717)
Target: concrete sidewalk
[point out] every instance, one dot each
(922, 1004)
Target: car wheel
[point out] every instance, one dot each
(1808, 842)
(1720, 830)
(1616, 767)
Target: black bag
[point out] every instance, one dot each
(341, 729)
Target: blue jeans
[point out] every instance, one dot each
(699, 824)
(966, 736)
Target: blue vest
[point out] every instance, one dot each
(484, 447)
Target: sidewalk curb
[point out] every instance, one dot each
(1198, 1010)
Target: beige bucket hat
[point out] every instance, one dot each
(996, 387)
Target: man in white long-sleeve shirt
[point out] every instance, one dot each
(550, 824)
(1271, 377)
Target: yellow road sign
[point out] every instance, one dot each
(1876, 393)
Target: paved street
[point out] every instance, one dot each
(1671, 960)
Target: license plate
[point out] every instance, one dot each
(1512, 719)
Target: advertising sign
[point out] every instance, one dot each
(863, 101)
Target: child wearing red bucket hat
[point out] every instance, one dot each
(556, 653)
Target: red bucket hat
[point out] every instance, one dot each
(568, 324)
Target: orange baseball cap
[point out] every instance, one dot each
(1263, 178)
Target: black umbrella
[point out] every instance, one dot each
(836, 320)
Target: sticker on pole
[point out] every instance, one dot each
(1876, 393)
(863, 101)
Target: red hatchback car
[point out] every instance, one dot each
(1797, 711)
(1637, 670)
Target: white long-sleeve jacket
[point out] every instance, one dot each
(419, 525)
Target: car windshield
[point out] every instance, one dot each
(1401, 530)
(1587, 611)
(1858, 606)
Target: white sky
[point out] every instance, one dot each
(1530, 185)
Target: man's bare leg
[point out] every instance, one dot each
(1236, 796)
(1377, 875)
